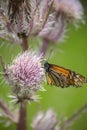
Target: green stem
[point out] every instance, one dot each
(25, 44)
(22, 123)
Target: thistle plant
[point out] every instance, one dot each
(48, 21)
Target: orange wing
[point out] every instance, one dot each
(59, 69)
(62, 77)
(49, 79)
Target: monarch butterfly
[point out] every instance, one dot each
(62, 77)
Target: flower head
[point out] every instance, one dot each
(16, 18)
(19, 16)
(63, 11)
(72, 9)
(54, 28)
(45, 121)
(25, 74)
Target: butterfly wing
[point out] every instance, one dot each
(50, 80)
(62, 77)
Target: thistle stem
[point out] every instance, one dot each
(75, 116)
(44, 47)
(22, 123)
(8, 113)
(25, 44)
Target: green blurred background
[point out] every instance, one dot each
(72, 54)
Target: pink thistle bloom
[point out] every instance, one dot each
(54, 28)
(45, 121)
(25, 74)
(71, 8)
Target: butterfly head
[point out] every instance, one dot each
(46, 66)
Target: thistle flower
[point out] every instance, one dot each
(16, 17)
(25, 75)
(54, 28)
(19, 16)
(39, 15)
(72, 9)
(45, 121)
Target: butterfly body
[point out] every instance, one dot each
(62, 77)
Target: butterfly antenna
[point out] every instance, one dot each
(46, 60)
(50, 54)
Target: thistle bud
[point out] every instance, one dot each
(72, 9)
(54, 29)
(45, 121)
